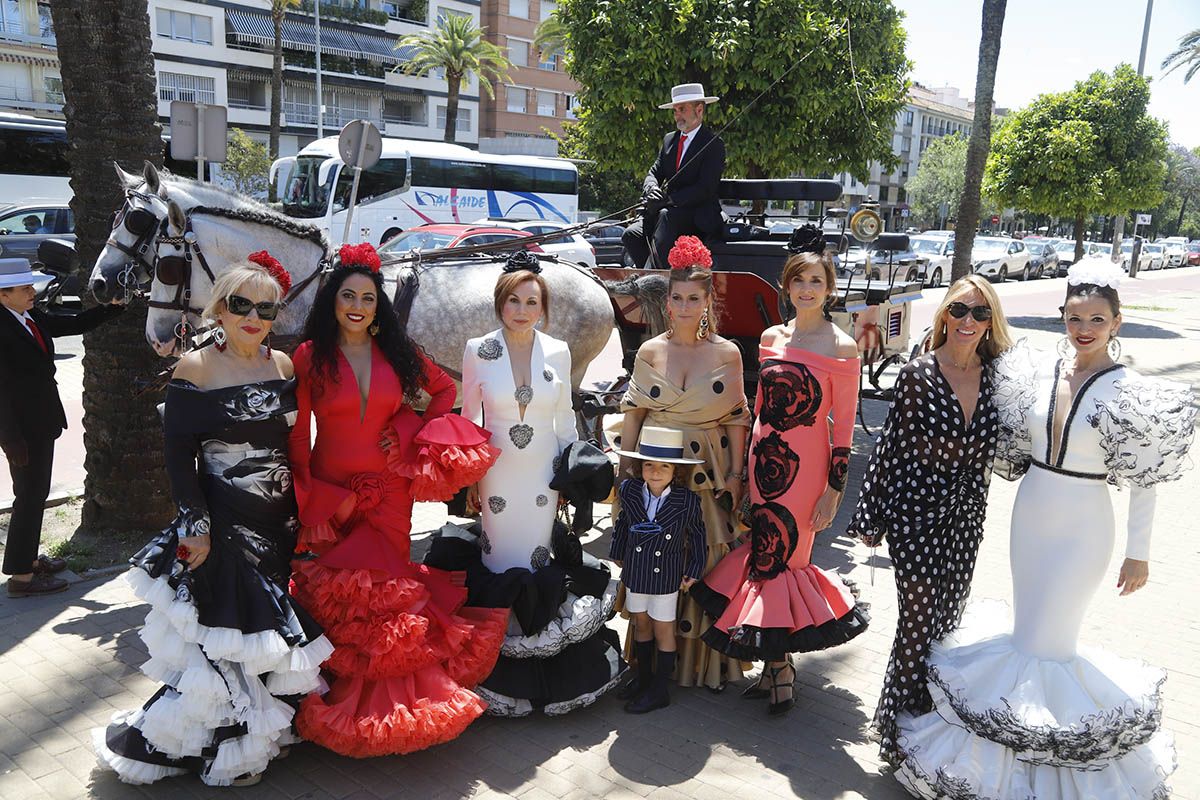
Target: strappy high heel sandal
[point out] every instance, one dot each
(756, 691)
(779, 707)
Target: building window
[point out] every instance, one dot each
(548, 61)
(406, 110)
(10, 18)
(547, 8)
(54, 90)
(462, 124)
(247, 94)
(545, 104)
(572, 103)
(517, 99)
(518, 52)
(184, 27)
(442, 13)
(45, 24)
(518, 8)
(189, 88)
(908, 118)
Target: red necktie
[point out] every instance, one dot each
(37, 334)
(679, 150)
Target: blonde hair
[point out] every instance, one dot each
(997, 339)
(507, 285)
(241, 275)
(703, 276)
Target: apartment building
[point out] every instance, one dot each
(541, 96)
(219, 52)
(929, 114)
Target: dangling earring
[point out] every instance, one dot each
(1114, 344)
(670, 325)
(219, 340)
(825, 307)
(373, 329)
(702, 331)
(1064, 347)
(268, 347)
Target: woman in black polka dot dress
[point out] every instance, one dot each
(925, 490)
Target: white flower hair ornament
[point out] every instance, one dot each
(1095, 272)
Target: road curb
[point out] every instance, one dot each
(55, 499)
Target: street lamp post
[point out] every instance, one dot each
(1119, 222)
(320, 97)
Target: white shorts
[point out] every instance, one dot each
(660, 607)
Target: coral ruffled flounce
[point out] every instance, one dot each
(452, 452)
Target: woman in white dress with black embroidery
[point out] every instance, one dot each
(1024, 711)
(517, 384)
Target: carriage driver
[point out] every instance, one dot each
(681, 189)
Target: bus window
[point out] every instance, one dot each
(467, 175)
(555, 181)
(428, 172)
(512, 178)
(386, 176)
(24, 152)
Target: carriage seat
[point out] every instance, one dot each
(822, 191)
(877, 292)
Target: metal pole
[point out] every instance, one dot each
(1119, 222)
(362, 150)
(320, 97)
(1145, 37)
(200, 142)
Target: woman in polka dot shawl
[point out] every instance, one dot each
(689, 378)
(925, 490)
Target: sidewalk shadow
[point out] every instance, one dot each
(1129, 330)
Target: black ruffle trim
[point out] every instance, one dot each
(711, 601)
(579, 669)
(773, 644)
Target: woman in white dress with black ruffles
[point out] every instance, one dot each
(558, 654)
(1031, 713)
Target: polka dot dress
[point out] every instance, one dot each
(925, 492)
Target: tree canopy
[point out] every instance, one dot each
(834, 112)
(1091, 149)
(246, 164)
(935, 191)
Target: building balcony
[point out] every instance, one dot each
(16, 32)
(305, 116)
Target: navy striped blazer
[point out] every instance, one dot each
(657, 564)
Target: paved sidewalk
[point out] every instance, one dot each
(68, 662)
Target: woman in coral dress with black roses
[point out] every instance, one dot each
(768, 599)
(407, 651)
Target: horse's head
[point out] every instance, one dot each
(127, 258)
(181, 285)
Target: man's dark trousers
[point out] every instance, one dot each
(31, 487)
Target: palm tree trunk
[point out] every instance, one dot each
(112, 115)
(453, 84)
(277, 85)
(981, 136)
(1182, 208)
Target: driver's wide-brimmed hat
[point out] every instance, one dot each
(688, 93)
(660, 444)
(18, 272)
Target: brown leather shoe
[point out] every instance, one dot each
(45, 565)
(38, 585)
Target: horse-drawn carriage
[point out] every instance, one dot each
(875, 312)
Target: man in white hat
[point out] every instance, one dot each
(32, 418)
(681, 189)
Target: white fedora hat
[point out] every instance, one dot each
(688, 93)
(660, 444)
(17, 272)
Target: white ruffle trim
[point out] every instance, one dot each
(615, 670)
(578, 619)
(128, 770)
(943, 760)
(245, 755)
(1094, 707)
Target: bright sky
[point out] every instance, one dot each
(1048, 45)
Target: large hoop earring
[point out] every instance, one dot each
(219, 339)
(373, 329)
(702, 331)
(1114, 344)
(1064, 347)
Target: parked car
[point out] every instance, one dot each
(571, 247)
(906, 266)
(24, 226)
(606, 241)
(1193, 254)
(938, 251)
(440, 236)
(1158, 255)
(1127, 251)
(1066, 252)
(996, 258)
(1043, 260)
(1175, 250)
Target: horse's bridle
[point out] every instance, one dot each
(144, 225)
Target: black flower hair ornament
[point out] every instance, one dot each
(523, 260)
(807, 239)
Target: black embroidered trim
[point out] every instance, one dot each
(839, 468)
(1092, 476)
(496, 504)
(1050, 416)
(490, 350)
(521, 435)
(1066, 434)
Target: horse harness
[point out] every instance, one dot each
(142, 224)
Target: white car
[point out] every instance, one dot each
(1127, 252)
(1158, 255)
(996, 257)
(1175, 248)
(940, 252)
(572, 247)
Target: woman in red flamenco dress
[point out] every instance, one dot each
(407, 651)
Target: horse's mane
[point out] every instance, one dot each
(265, 216)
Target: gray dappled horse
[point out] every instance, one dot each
(453, 300)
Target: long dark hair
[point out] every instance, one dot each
(321, 328)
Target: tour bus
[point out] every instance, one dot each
(33, 160)
(417, 182)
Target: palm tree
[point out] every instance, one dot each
(981, 136)
(279, 9)
(551, 36)
(112, 115)
(456, 46)
(1187, 54)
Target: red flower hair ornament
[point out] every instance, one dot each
(359, 255)
(689, 251)
(271, 264)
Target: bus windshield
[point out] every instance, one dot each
(303, 196)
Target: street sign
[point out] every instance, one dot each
(1143, 219)
(360, 144)
(198, 131)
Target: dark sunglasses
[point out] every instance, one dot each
(960, 310)
(241, 306)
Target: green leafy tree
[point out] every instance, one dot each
(279, 9)
(935, 191)
(1181, 190)
(457, 47)
(1186, 55)
(602, 188)
(246, 163)
(1091, 149)
(969, 205)
(832, 113)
